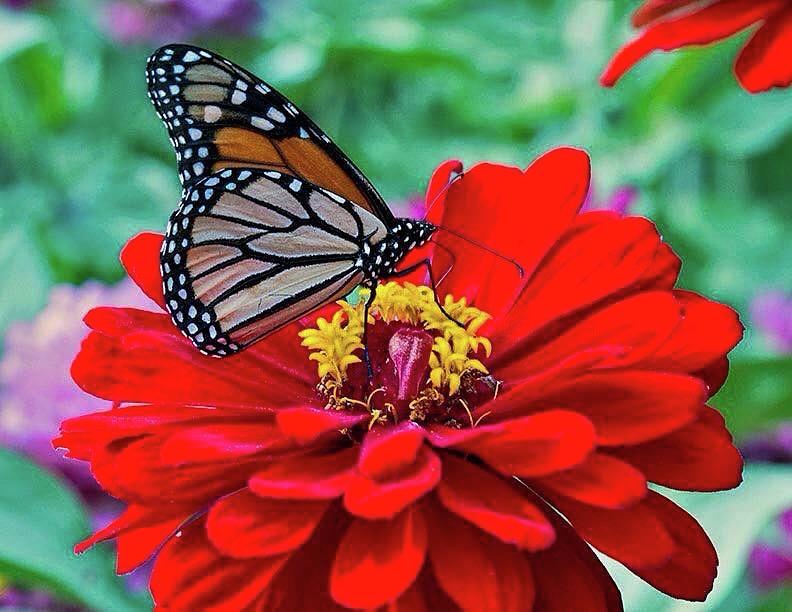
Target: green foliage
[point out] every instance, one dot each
(40, 521)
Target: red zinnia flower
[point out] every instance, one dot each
(764, 62)
(474, 471)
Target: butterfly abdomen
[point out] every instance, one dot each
(380, 260)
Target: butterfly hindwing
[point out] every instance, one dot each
(219, 115)
(250, 250)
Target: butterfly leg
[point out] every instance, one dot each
(366, 358)
(428, 264)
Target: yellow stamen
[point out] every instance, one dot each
(335, 344)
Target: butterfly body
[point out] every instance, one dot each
(274, 220)
(380, 260)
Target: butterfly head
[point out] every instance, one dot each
(380, 260)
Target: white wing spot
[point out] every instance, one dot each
(195, 133)
(212, 113)
(238, 97)
(191, 56)
(295, 185)
(274, 113)
(261, 123)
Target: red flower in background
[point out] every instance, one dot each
(444, 488)
(764, 62)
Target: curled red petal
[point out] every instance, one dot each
(377, 561)
(312, 476)
(388, 450)
(493, 505)
(536, 445)
(708, 24)
(437, 188)
(477, 571)
(141, 259)
(305, 424)
(385, 497)
(243, 525)
(764, 61)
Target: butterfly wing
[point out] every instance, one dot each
(250, 250)
(219, 115)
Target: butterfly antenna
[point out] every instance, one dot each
(484, 247)
(453, 180)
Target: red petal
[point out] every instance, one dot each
(378, 560)
(692, 568)
(222, 442)
(438, 188)
(600, 261)
(319, 476)
(141, 259)
(635, 326)
(140, 358)
(705, 333)
(629, 407)
(492, 504)
(133, 470)
(245, 526)
(633, 536)
(764, 61)
(481, 205)
(652, 10)
(305, 425)
(86, 435)
(710, 23)
(136, 546)
(480, 573)
(601, 481)
(388, 450)
(569, 576)
(699, 457)
(386, 497)
(190, 575)
(531, 446)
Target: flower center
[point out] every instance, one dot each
(424, 366)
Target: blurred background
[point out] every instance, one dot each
(85, 164)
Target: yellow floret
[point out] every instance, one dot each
(335, 344)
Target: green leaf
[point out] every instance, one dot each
(20, 31)
(757, 395)
(40, 520)
(733, 520)
(23, 275)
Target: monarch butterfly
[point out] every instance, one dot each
(274, 219)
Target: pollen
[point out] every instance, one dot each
(457, 347)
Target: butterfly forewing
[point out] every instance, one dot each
(219, 116)
(250, 250)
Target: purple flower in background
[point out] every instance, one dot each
(620, 201)
(131, 21)
(36, 389)
(773, 446)
(412, 207)
(771, 313)
(771, 566)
